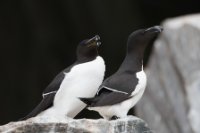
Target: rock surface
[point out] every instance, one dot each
(127, 125)
(171, 103)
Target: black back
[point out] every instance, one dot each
(86, 51)
(120, 85)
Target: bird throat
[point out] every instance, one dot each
(133, 61)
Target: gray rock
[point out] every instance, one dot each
(171, 103)
(127, 125)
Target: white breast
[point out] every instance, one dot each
(82, 81)
(136, 94)
(121, 109)
(142, 81)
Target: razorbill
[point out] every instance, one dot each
(121, 91)
(81, 79)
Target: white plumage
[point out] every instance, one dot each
(121, 109)
(83, 80)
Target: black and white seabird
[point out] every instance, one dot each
(81, 79)
(121, 91)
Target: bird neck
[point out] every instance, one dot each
(87, 56)
(133, 62)
(85, 59)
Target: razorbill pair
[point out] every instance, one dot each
(121, 91)
(81, 79)
(75, 86)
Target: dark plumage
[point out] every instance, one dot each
(86, 51)
(123, 89)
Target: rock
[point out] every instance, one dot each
(171, 103)
(127, 125)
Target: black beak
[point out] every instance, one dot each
(155, 29)
(94, 41)
(97, 38)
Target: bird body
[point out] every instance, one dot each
(121, 109)
(81, 79)
(122, 90)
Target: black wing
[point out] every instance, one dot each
(112, 98)
(113, 90)
(119, 82)
(46, 102)
(106, 98)
(49, 93)
(55, 84)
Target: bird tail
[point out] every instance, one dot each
(43, 105)
(88, 101)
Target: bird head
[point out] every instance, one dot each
(139, 39)
(88, 48)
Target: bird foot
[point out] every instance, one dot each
(114, 117)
